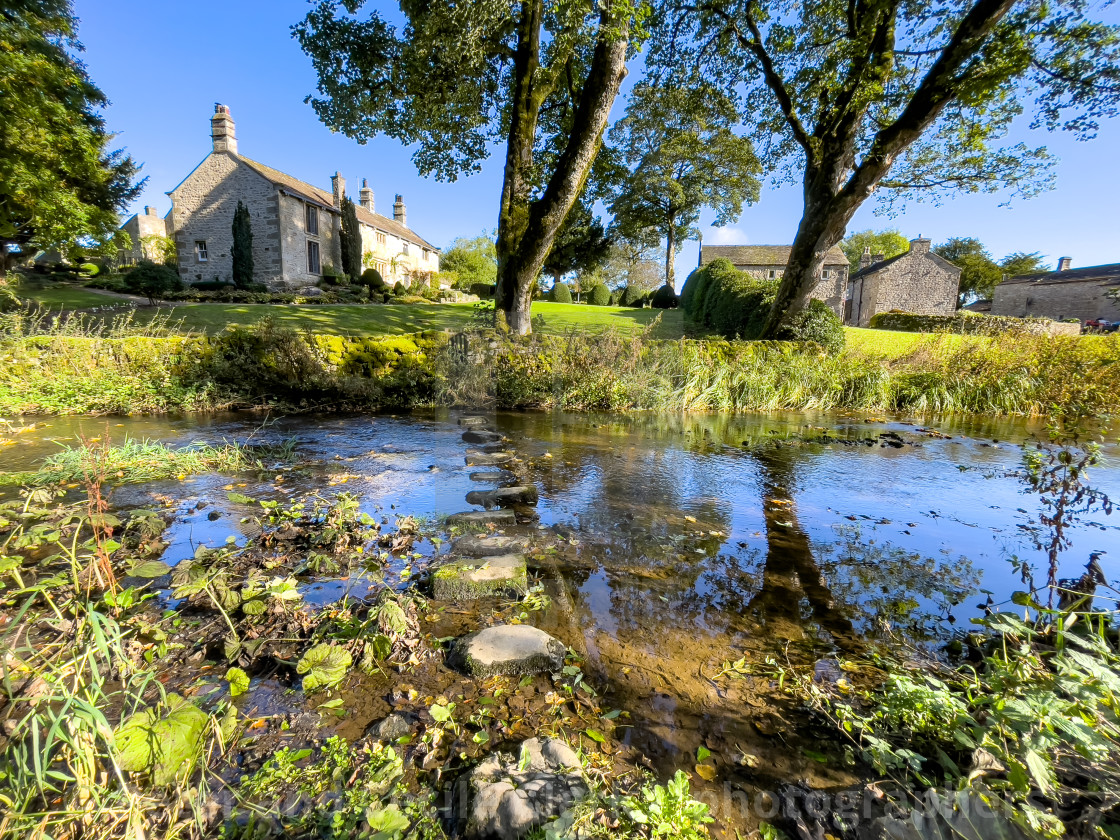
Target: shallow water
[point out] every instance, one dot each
(684, 541)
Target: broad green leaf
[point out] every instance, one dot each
(380, 646)
(1040, 771)
(254, 606)
(164, 742)
(702, 753)
(391, 618)
(150, 569)
(440, 713)
(240, 499)
(595, 735)
(238, 682)
(324, 666)
(387, 823)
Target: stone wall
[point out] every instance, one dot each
(139, 226)
(1081, 299)
(293, 226)
(202, 209)
(829, 289)
(389, 259)
(914, 282)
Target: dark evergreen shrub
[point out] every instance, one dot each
(372, 280)
(817, 322)
(560, 293)
(242, 252)
(483, 291)
(632, 296)
(152, 280)
(400, 288)
(665, 298)
(599, 295)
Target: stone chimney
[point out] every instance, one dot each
(1064, 262)
(878, 258)
(222, 131)
(338, 187)
(398, 211)
(150, 211)
(865, 257)
(366, 196)
(919, 245)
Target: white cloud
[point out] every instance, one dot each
(726, 236)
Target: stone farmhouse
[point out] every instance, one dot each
(918, 281)
(140, 229)
(1081, 293)
(768, 262)
(296, 225)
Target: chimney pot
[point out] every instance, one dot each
(919, 245)
(1064, 263)
(150, 211)
(223, 131)
(399, 211)
(865, 257)
(338, 187)
(366, 196)
(878, 258)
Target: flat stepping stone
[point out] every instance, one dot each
(497, 476)
(477, 436)
(489, 577)
(504, 497)
(509, 649)
(483, 517)
(474, 545)
(479, 458)
(473, 420)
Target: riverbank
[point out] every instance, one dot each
(133, 367)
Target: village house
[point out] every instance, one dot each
(1082, 293)
(144, 229)
(296, 225)
(768, 262)
(917, 281)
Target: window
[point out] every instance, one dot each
(200, 250)
(427, 255)
(404, 249)
(380, 238)
(772, 274)
(313, 221)
(313, 257)
(826, 274)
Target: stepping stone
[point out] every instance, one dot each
(492, 448)
(493, 475)
(510, 649)
(489, 577)
(483, 517)
(478, 458)
(474, 545)
(503, 497)
(474, 436)
(473, 420)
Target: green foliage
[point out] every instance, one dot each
(90, 269)
(669, 810)
(979, 272)
(729, 301)
(581, 245)
(165, 742)
(889, 243)
(59, 180)
(1023, 263)
(960, 322)
(817, 323)
(472, 260)
(665, 298)
(633, 297)
(152, 280)
(599, 295)
(372, 279)
(323, 666)
(242, 251)
(560, 293)
(400, 288)
(351, 240)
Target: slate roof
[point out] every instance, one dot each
(874, 267)
(761, 254)
(312, 193)
(1103, 273)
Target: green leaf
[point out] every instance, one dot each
(391, 618)
(380, 647)
(240, 499)
(238, 682)
(164, 742)
(150, 569)
(702, 753)
(440, 713)
(324, 666)
(595, 735)
(387, 823)
(1040, 771)
(254, 606)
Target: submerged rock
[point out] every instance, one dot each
(469, 580)
(504, 497)
(512, 795)
(481, 436)
(390, 729)
(483, 517)
(512, 649)
(478, 458)
(473, 420)
(473, 545)
(496, 476)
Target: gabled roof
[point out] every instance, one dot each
(294, 185)
(874, 267)
(376, 220)
(1103, 273)
(759, 255)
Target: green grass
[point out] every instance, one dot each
(395, 319)
(59, 295)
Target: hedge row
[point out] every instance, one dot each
(970, 322)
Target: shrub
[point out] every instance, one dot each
(372, 280)
(560, 293)
(152, 280)
(665, 298)
(736, 304)
(715, 293)
(599, 295)
(688, 290)
(816, 322)
(483, 291)
(966, 322)
(90, 269)
(632, 296)
(211, 286)
(616, 297)
(399, 289)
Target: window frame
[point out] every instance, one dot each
(382, 239)
(311, 213)
(313, 247)
(201, 251)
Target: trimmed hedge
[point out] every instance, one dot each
(560, 293)
(665, 298)
(632, 296)
(483, 291)
(599, 295)
(969, 322)
(372, 279)
(817, 322)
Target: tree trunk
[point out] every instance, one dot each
(526, 228)
(671, 257)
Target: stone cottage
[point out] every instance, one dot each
(768, 262)
(1081, 293)
(296, 225)
(140, 229)
(918, 281)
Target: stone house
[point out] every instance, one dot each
(296, 225)
(140, 228)
(1081, 293)
(768, 262)
(917, 281)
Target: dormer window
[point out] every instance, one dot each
(312, 220)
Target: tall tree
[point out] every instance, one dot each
(1022, 262)
(472, 260)
(581, 244)
(889, 243)
(242, 251)
(979, 272)
(898, 98)
(351, 240)
(539, 76)
(682, 155)
(59, 180)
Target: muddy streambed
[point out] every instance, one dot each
(667, 545)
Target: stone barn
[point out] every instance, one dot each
(768, 262)
(918, 282)
(1081, 293)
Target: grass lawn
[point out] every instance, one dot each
(390, 319)
(59, 295)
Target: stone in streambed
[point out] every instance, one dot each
(481, 436)
(473, 545)
(390, 729)
(483, 517)
(503, 497)
(469, 580)
(473, 420)
(496, 476)
(509, 649)
(478, 458)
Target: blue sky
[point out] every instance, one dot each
(164, 65)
